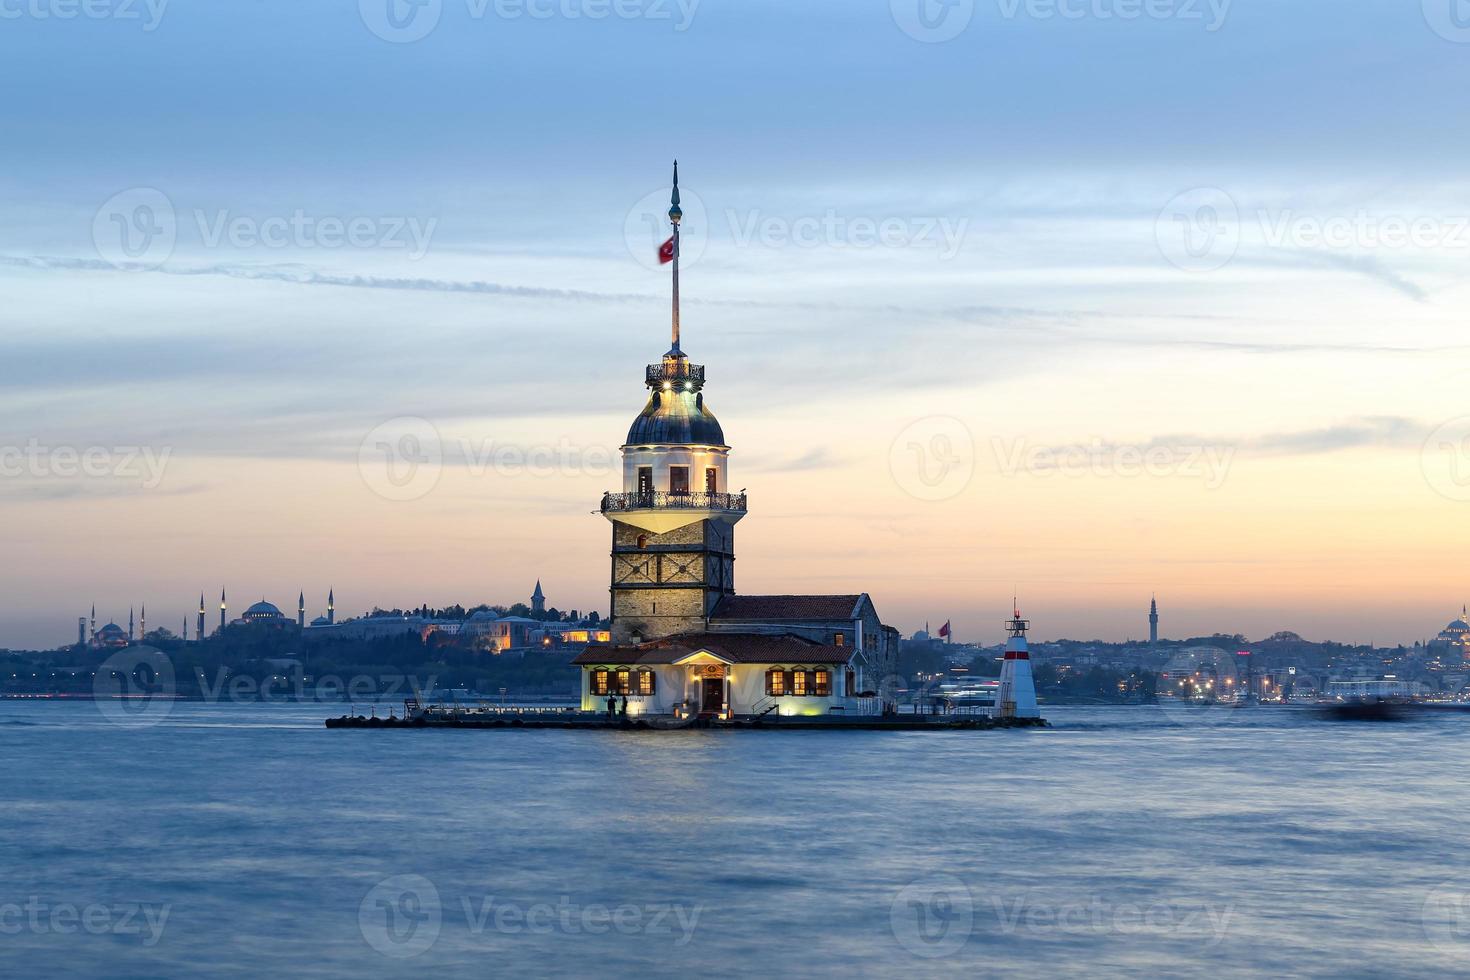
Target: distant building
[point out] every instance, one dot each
(1454, 639)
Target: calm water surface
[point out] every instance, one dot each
(247, 840)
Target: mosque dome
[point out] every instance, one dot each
(263, 610)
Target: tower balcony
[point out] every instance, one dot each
(660, 511)
(674, 371)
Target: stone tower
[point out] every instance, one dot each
(1153, 622)
(673, 540)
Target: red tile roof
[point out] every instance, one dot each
(769, 608)
(740, 648)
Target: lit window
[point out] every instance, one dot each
(599, 682)
(823, 684)
(798, 683)
(625, 681)
(645, 682)
(776, 682)
(839, 640)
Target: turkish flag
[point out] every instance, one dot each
(944, 630)
(666, 252)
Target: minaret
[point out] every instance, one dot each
(130, 624)
(185, 635)
(331, 607)
(143, 623)
(673, 541)
(1153, 622)
(301, 610)
(538, 599)
(81, 631)
(199, 630)
(221, 610)
(94, 621)
(1016, 696)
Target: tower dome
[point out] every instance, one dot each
(675, 413)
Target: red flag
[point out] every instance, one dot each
(944, 630)
(666, 252)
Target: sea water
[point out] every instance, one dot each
(246, 840)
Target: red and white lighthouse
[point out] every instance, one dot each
(1016, 696)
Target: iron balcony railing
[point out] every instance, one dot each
(613, 503)
(675, 371)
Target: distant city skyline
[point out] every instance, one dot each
(1195, 335)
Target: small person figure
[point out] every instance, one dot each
(624, 708)
(612, 707)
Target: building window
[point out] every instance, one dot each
(645, 682)
(822, 686)
(775, 682)
(645, 480)
(799, 683)
(599, 682)
(711, 480)
(839, 640)
(678, 479)
(625, 681)
(642, 541)
(851, 682)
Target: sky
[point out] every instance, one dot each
(1084, 300)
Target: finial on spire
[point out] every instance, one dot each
(674, 212)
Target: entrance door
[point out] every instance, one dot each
(713, 695)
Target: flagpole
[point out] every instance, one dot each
(675, 215)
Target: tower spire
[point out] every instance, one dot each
(675, 216)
